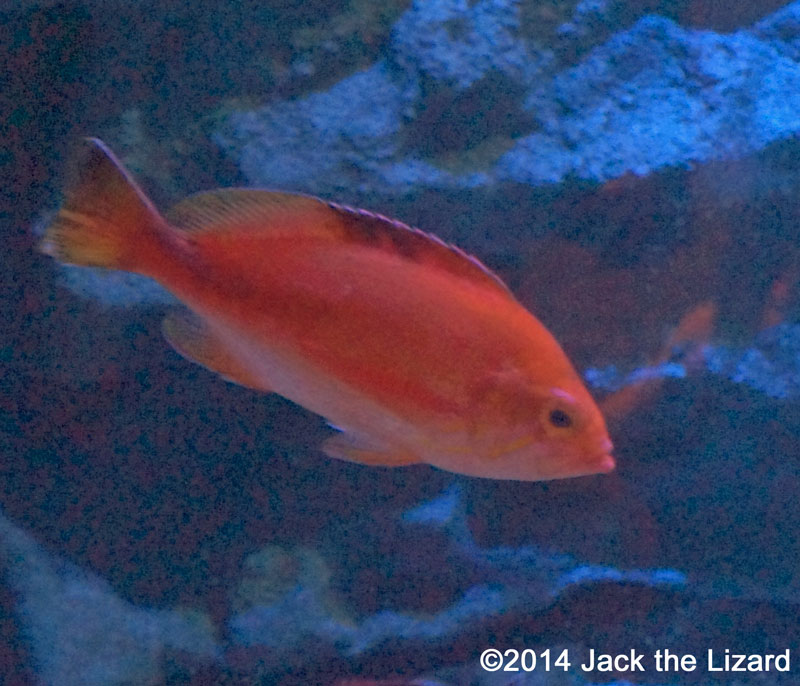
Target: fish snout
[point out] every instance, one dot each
(606, 463)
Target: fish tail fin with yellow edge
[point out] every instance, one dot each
(106, 220)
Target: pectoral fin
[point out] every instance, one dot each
(345, 446)
(193, 339)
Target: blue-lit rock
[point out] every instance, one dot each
(81, 633)
(590, 18)
(460, 42)
(658, 95)
(651, 96)
(508, 582)
(345, 134)
(770, 365)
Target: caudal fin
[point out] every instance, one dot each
(106, 220)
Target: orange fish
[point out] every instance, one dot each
(693, 332)
(412, 349)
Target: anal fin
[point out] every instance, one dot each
(345, 446)
(193, 339)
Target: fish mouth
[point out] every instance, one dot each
(606, 462)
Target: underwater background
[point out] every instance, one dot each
(630, 168)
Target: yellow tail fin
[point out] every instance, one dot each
(106, 220)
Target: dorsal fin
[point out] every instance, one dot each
(417, 245)
(245, 209)
(234, 210)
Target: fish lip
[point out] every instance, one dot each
(607, 463)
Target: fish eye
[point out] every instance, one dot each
(560, 419)
(561, 415)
